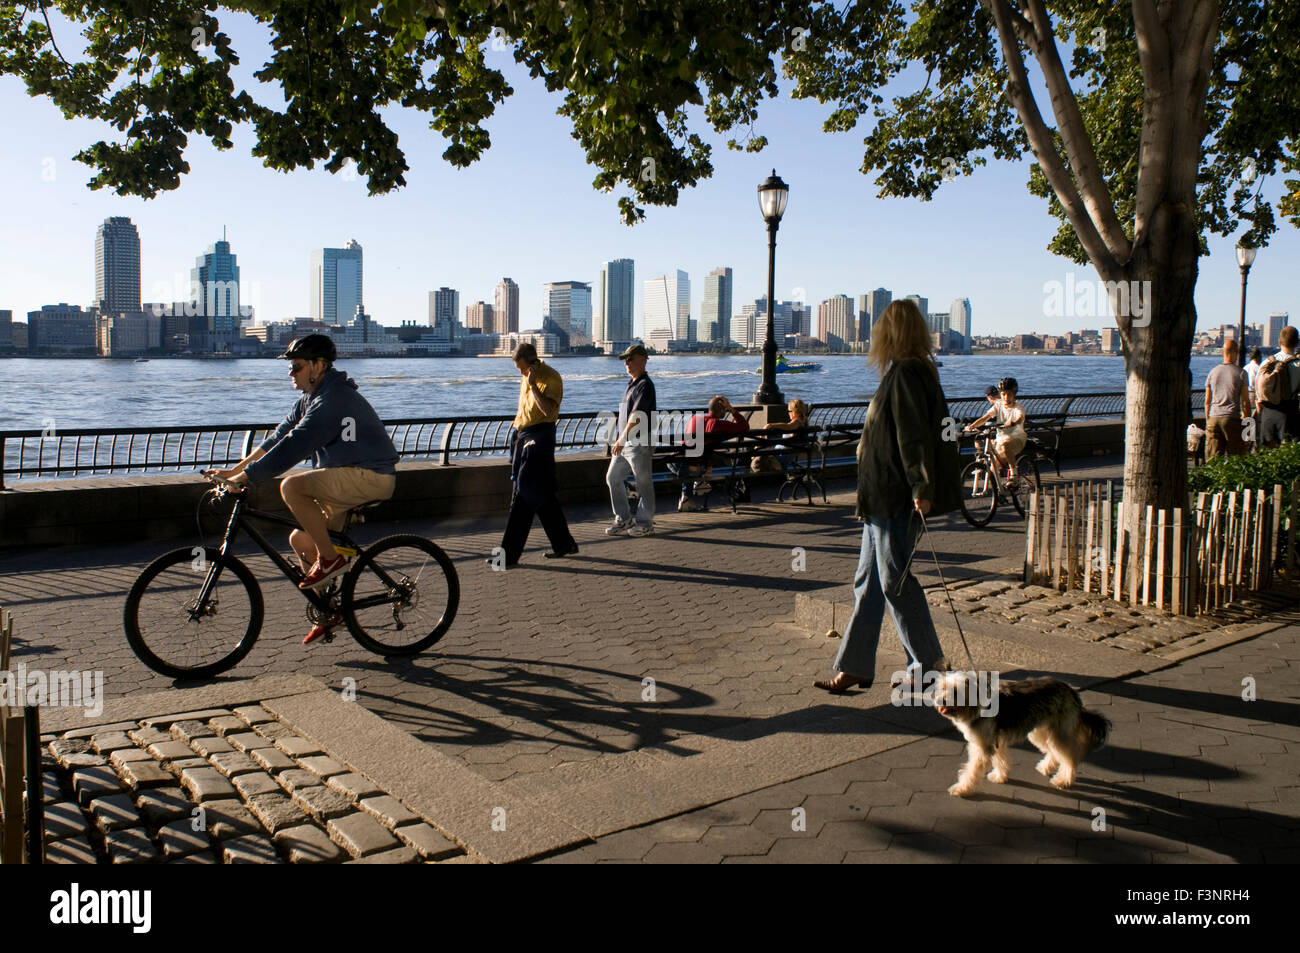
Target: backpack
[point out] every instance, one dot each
(1273, 383)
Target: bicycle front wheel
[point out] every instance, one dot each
(179, 634)
(400, 596)
(1027, 474)
(979, 493)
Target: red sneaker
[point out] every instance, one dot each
(323, 628)
(322, 573)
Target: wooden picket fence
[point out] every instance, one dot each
(20, 772)
(1219, 548)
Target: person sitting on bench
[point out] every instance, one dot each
(716, 429)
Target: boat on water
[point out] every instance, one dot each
(792, 367)
(141, 360)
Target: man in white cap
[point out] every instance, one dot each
(633, 450)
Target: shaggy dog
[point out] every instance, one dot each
(1046, 711)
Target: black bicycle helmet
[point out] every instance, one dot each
(1008, 383)
(991, 391)
(313, 347)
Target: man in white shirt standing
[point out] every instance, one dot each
(1279, 416)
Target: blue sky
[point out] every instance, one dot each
(528, 210)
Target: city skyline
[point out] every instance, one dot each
(981, 238)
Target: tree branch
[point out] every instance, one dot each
(49, 29)
(1074, 134)
(1040, 141)
(1157, 115)
(1192, 73)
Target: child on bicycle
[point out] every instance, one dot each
(353, 459)
(1010, 417)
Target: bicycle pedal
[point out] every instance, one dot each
(327, 637)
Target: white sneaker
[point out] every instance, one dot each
(617, 529)
(636, 529)
(689, 506)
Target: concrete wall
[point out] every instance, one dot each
(105, 509)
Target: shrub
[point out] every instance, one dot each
(1252, 471)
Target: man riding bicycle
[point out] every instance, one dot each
(353, 460)
(1010, 416)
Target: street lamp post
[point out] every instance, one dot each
(1245, 258)
(772, 196)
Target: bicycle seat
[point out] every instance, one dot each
(358, 513)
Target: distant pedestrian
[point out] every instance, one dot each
(1252, 375)
(906, 469)
(1227, 400)
(633, 450)
(532, 461)
(1275, 389)
(1252, 369)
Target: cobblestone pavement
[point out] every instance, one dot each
(220, 786)
(1193, 772)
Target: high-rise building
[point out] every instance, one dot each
(835, 322)
(117, 266)
(877, 302)
(864, 317)
(752, 331)
(959, 317)
(1276, 322)
(444, 314)
(615, 297)
(6, 329)
(567, 305)
(214, 287)
(667, 307)
(1110, 341)
(922, 303)
(61, 327)
(481, 315)
(507, 306)
(716, 311)
(336, 283)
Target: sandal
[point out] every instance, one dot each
(841, 683)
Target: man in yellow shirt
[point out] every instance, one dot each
(532, 461)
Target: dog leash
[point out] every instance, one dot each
(906, 569)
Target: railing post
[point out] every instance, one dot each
(35, 790)
(446, 443)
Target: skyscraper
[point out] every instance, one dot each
(877, 302)
(336, 283)
(959, 321)
(614, 301)
(753, 330)
(835, 323)
(567, 305)
(667, 308)
(214, 287)
(715, 315)
(117, 266)
(507, 306)
(1276, 322)
(481, 315)
(922, 303)
(864, 317)
(444, 305)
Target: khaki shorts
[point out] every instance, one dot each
(339, 489)
(1010, 446)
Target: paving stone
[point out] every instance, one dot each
(171, 750)
(65, 819)
(233, 763)
(145, 774)
(106, 742)
(179, 839)
(122, 756)
(115, 812)
(276, 812)
(84, 733)
(210, 746)
(254, 714)
(131, 846)
(431, 844)
(161, 805)
(360, 834)
(148, 736)
(227, 724)
(66, 746)
(250, 849)
(228, 818)
(93, 782)
(251, 785)
(274, 731)
(50, 790)
(323, 766)
(180, 765)
(322, 803)
(163, 721)
(307, 844)
(401, 855)
(272, 759)
(206, 784)
(295, 779)
(297, 747)
(246, 740)
(190, 730)
(73, 850)
(203, 857)
(352, 786)
(389, 810)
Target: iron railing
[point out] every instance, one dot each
(35, 454)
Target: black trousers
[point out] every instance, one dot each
(532, 468)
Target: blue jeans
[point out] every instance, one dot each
(639, 463)
(886, 546)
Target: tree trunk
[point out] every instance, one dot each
(1157, 353)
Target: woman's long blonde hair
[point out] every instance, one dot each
(900, 335)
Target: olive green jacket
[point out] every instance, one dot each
(903, 454)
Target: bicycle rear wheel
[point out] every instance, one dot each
(400, 596)
(979, 493)
(172, 633)
(1027, 474)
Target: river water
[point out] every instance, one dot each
(173, 392)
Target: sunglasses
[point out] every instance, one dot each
(296, 368)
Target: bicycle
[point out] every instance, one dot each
(193, 613)
(983, 485)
